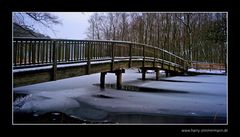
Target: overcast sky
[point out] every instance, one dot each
(74, 25)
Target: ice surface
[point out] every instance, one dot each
(206, 95)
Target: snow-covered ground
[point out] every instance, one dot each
(202, 95)
(207, 71)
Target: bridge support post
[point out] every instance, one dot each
(167, 73)
(157, 74)
(119, 79)
(143, 74)
(54, 57)
(102, 80)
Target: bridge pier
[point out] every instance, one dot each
(102, 80)
(119, 79)
(167, 73)
(118, 74)
(144, 74)
(157, 74)
(144, 70)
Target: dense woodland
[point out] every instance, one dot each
(194, 36)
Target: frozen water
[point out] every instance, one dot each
(206, 95)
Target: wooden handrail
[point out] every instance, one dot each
(39, 51)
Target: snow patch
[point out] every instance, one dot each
(207, 71)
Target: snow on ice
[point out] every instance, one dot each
(206, 95)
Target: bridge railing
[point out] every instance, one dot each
(29, 52)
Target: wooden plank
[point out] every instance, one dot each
(33, 52)
(72, 50)
(25, 53)
(66, 51)
(42, 51)
(130, 55)
(21, 53)
(112, 61)
(15, 53)
(84, 51)
(38, 51)
(143, 53)
(30, 52)
(59, 56)
(88, 58)
(80, 51)
(47, 45)
(62, 44)
(77, 50)
(154, 57)
(54, 68)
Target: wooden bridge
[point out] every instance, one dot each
(38, 60)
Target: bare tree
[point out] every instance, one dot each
(194, 36)
(27, 20)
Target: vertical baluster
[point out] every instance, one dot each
(143, 63)
(103, 47)
(59, 55)
(88, 57)
(46, 57)
(86, 50)
(38, 52)
(42, 51)
(80, 50)
(60, 52)
(21, 52)
(113, 54)
(15, 52)
(73, 51)
(25, 52)
(154, 58)
(77, 50)
(94, 49)
(68, 50)
(18, 52)
(34, 52)
(30, 52)
(130, 55)
(54, 54)
(63, 50)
